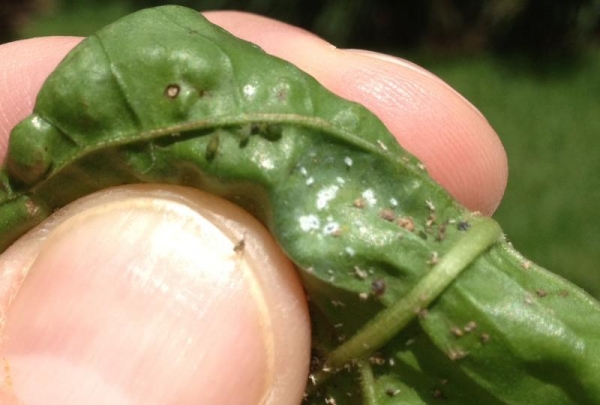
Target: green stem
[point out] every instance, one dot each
(482, 234)
(367, 382)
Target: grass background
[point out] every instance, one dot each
(547, 115)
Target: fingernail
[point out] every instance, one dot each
(138, 301)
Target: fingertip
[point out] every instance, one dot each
(140, 292)
(24, 66)
(431, 120)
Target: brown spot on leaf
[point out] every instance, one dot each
(359, 203)
(407, 223)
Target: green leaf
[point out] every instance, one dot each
(413, 298)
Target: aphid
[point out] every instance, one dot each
(387, 214)
(378, 287)
(438, 394)
(430, 220)
(441, 233)
(377, 359)
(462, 225)
(240, 245)
(245, 132)
(330, 401)
(212, 147)
(435, 258)
(359, 203)
(457, 354)
(359, 273)
(407, 223)
(470, 327)
(456, 331)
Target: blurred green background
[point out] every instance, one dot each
(531, 66)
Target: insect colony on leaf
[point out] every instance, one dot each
(163, 96)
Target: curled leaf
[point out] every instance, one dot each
(413, 298)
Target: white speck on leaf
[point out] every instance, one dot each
(348, 161)
(325, 195)
(267, 164)
(310, 181)
(309, 222)
(369, 197)
(249, 90)
(331, 227)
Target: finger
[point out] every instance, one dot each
(145, 295)
(431, 120)
(24, 65)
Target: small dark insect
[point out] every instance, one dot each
(438, 394)
(245, 132)
(212, 147)
(462, 225)
(378, 287)
(240, 245)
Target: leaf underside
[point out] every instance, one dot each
(414, 300)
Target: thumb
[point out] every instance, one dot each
(148, 295)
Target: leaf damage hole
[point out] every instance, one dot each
(172, 91)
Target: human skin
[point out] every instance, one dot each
(136, 295)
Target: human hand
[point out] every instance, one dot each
(134, 297)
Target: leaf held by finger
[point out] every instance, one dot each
(414, 299)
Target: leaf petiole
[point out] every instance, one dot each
(481, 235)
